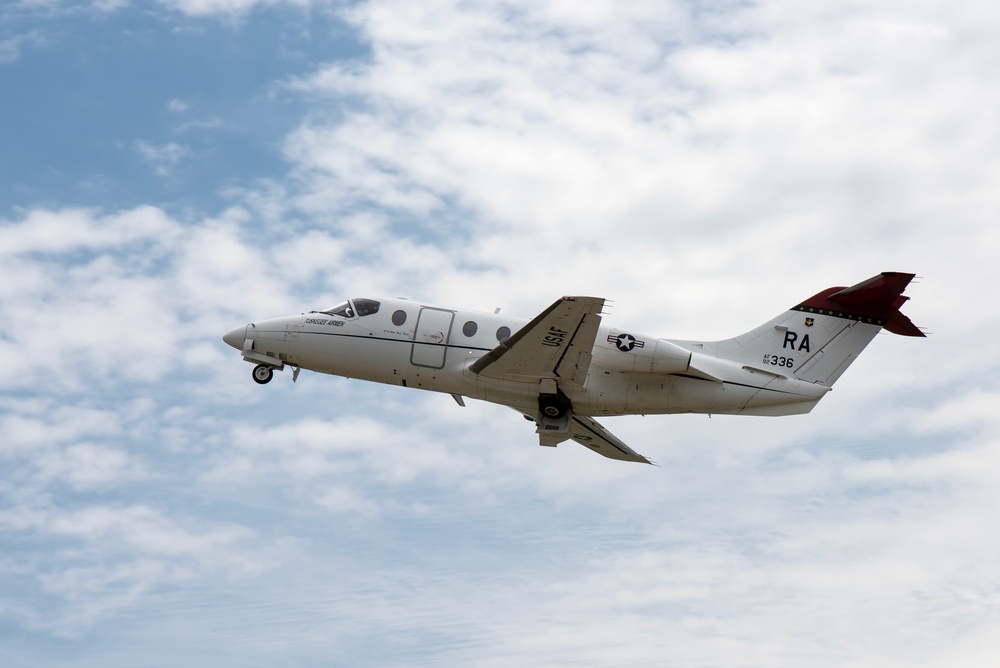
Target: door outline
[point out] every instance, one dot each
(431, 336)
(292, 331)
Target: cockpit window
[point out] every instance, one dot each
(343, 310)
(350, 308)
(366, 306)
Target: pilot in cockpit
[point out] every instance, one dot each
(363, 307)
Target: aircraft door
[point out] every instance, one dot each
(292, 330)
(430, 341)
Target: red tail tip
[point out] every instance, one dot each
(876, 300)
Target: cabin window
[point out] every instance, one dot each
(470, 328)
(503, 333)
(366, 306)
(399, 317)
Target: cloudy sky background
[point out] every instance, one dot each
(172, 169)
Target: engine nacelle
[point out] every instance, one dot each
(670, 358)
(653, 357)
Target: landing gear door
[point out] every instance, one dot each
(430, 341)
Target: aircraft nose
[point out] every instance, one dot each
(235, 338)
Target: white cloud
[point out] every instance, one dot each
(194, 8)
(209, 124)
(87, 296)
(176, 106)
(229, 7)
(111, 5)
(11, 47)
(163, 158)
(833, 575)
(115, 555)
(705, 170)
(704, 167)
(32, 424)
(43, 231)
(87, 465)
(635, 146)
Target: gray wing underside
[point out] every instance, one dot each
(590, 433)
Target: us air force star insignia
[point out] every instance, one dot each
(625, 342)
(809, 322)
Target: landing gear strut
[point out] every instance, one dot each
(262, 374)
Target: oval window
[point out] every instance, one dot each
(503, 333)
(470, 328)
(399, 317)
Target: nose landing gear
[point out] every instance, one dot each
(262, 374)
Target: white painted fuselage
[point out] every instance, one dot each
(565, 367)
(433, 347)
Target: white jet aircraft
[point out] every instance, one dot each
(564, 367)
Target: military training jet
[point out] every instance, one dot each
(565, 367)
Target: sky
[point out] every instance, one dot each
(172, 169)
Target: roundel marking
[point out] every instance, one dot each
(626, 342)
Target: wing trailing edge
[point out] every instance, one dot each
(591, 434)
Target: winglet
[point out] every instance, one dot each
(876, 301)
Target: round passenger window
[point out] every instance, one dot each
(503, 333)
(470, 328)
(399, 317)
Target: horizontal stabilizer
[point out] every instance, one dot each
(876, 301)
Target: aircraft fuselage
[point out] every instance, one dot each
(564, 367)
(431, 348)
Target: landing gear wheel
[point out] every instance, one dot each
(553, 406)
(262, 374)
(552, 411)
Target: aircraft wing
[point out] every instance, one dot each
(589, 432)
(555, 344)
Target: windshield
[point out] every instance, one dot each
(343, 310)
(360, 307)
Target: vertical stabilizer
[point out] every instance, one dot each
(817, 340)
